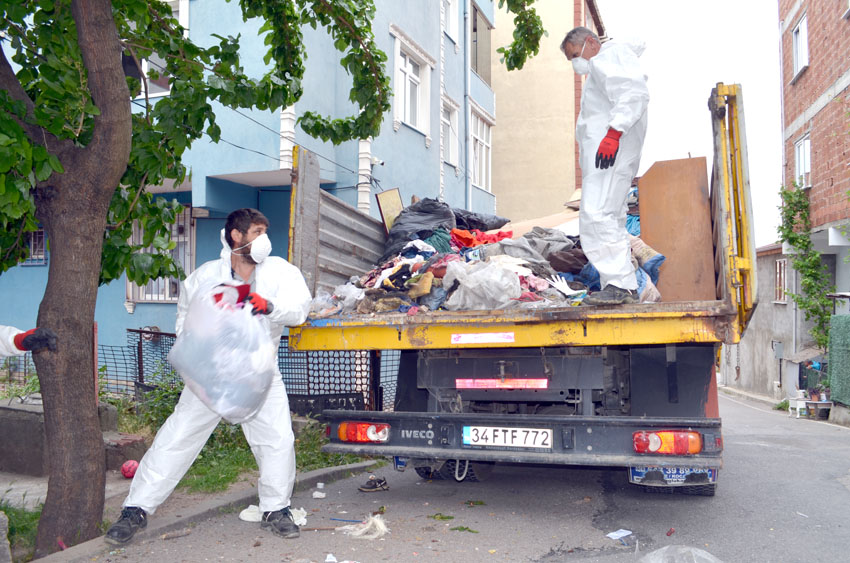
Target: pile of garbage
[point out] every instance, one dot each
(440, 258)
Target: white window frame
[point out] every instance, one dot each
(37, 244)
(780, 281)
(167, 290)
(800, 47)
(410, 88)
(407, 50)
(481, 135)
(183, 20)
(450, 19)
(450, 140)
(803, 162)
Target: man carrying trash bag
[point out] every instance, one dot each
(278, 293)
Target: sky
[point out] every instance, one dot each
(690, 46)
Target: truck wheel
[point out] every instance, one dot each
(707, 490)
(428, 473)
(475, 472)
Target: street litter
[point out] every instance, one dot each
(319, 494)
(621, 533)
(176, 534)
(374, 484)
(803, 515)
(671, 531)
(371, 528)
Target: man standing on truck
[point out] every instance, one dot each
(278, 291)
(610, 131)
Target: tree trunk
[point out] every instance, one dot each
(75, 493)
(73, 210)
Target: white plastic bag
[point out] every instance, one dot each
(482, 286)
(225, 357)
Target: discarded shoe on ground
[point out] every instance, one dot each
(374, 484)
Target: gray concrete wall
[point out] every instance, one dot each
(772, 325)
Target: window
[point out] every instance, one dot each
(410, 73)
(37, 243)
(448, 124)
(166, 290)
(158, 86)
(481, 131)
(480, 45)
(450, 18)
(800, 46)
(780, 286)
(803, 162)
(411, 84)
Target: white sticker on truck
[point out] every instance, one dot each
(483, 338)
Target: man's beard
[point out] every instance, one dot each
(247, 257)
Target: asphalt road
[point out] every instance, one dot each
(783, 496)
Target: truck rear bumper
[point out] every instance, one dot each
(575, 440)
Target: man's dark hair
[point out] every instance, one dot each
(241, 220)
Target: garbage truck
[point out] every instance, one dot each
(631, 386)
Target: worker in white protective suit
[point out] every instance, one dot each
(610, 131)
(279, 292)
(14, 342)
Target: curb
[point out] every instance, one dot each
(86, 551)
(764, 399)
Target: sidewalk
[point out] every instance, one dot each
(838, 414)
(180, 511)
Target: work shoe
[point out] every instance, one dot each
(611, 295)
(281, 523)
(132, 518)
(374, 484)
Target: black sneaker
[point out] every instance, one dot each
(611, 295)
(281, 523)
(132, 518)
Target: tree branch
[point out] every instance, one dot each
(100, 47)
(10, 83)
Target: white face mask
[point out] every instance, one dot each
(261, 247)
(580, 64)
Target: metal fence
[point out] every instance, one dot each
(314, 381)
(353, 379)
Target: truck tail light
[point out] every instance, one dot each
(363, 432)
(667, 442)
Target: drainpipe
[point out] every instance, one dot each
(794, 312)
(467, 79)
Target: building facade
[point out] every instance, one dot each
(815, 82)
(435, 142)
(534, 148)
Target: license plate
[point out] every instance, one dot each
(507, 437)
(671, 475)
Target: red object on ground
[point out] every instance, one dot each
(670, 531)
(128, 469)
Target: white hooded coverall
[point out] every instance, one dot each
(615, 96)
(7, 342)
(269, 432)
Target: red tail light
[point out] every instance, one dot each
(363, 432)
(667, 442)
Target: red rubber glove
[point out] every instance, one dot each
(608, 149)
(36, 339)
(260, 305)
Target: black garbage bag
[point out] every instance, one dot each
(417, 221)
(469, 220)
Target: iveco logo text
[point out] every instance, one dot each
(421, 434)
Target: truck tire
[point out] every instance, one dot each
(428, 473)
(707, 490)
(475, 472)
